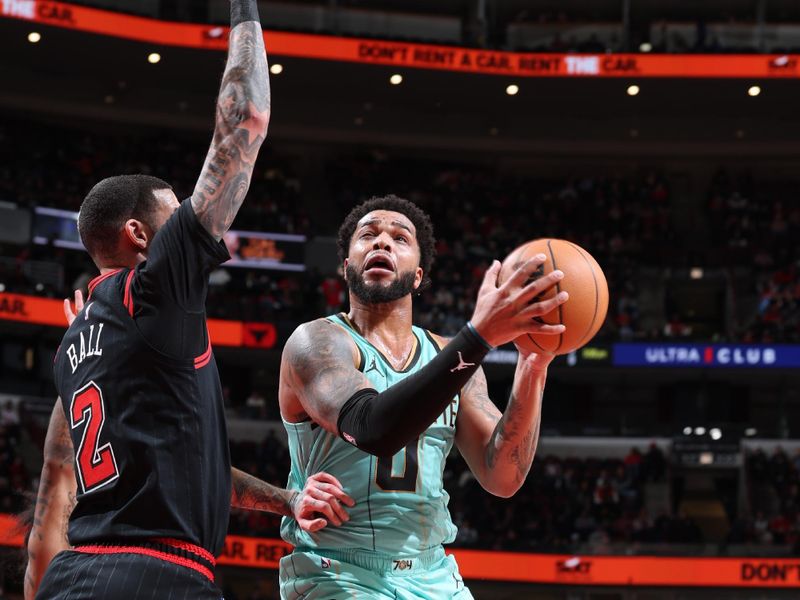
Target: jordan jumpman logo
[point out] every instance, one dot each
(461, 364)
(373, 367)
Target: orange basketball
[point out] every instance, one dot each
(583, 314)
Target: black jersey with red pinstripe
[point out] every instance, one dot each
(142, 396)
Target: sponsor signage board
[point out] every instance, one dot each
(401, 54)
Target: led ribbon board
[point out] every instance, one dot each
(400, 54)
(650, 571)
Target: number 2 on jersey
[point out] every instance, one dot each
(407, 482)
(95, 465)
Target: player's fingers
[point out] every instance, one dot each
(68, 311)
(537, 309)
(337, 493)
(325, 508)
(534, 327)
(312, 525)
(342, 496)
(332, 502)
(525, 272)
(490, 277)
(326, 478)
(78, 301)
(539, 286)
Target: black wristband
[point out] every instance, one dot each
(482, 340)
(383, 423)
(242, 11)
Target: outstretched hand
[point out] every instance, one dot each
(320, 503)
(505, 311)
(68, 311)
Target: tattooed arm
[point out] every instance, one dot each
(499, 449)
(319, 374)
(242, 118)
(313, 507)
(253, 494)
(54, 502)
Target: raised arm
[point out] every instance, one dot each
(499, 448)
(54, 502)
(242, 118)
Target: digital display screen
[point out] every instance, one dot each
(753, 356)
(56, 226)
(248, 249)
(255, 250)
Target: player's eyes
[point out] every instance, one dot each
(401, 238)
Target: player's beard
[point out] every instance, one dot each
(377, 293)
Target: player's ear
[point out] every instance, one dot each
(137, 234)
(344, 269)
(418, 276)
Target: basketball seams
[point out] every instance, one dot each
(558, 290)
(596, 293)
(584, 296)
(538, 345)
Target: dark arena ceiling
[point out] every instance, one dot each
(87, 76)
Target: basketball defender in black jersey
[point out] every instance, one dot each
(141, 421)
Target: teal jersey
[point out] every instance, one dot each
(401, 504)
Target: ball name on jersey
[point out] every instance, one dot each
(88, 346)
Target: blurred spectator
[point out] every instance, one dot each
(256, 405)
(480, 213)
(655, 464)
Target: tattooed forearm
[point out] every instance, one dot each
(477, 389)
(55, 501)
(253, 494)
(513, 438)
(66, 512)
(512, 446)
(242, 118)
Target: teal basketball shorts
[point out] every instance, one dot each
(346, 574)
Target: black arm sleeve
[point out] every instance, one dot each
(383, 423)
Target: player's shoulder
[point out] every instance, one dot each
(319, 335)
(322, 325)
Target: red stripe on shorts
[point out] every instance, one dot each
(178, 560)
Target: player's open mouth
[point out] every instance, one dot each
(379, 262)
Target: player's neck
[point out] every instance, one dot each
(120, 261)
(388, 322)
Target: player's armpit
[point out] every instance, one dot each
(319, 366)
(55, 501)
(242, 119)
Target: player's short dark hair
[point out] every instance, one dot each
(112, 202)
(420, 219)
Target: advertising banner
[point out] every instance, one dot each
(732, 356)
(401, 54)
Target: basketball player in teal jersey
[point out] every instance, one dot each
(378, 403)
